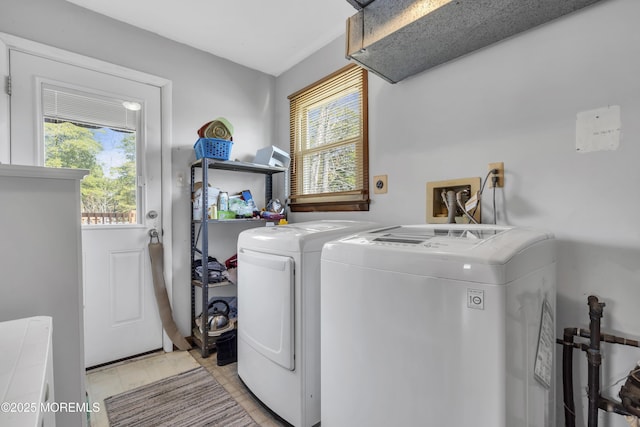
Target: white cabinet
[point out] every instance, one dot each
(26, 373)
(40, 267)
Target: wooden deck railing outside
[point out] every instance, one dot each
(97, 218)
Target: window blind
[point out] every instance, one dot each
(328, 141)
(70, 105)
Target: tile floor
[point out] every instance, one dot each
(113, 379)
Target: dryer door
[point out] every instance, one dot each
(265, 304)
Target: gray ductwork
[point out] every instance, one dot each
(399, 38)
(359, 4)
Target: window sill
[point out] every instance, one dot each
(343, 206)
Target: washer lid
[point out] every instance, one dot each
(483, 253)
(303, 236)
(455, 238)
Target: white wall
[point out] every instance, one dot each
(516, 102)
(204, 87)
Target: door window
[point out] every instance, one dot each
(98, 133)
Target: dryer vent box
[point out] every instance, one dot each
(399, 38)
(272, 156)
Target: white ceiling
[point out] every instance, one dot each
(267, 35)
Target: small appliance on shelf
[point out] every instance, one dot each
(272, 156)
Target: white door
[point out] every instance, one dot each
(121, 318)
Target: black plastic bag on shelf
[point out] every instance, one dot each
(217, 271)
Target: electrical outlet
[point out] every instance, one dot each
(500, 174)
(380, 184)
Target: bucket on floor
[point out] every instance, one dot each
(227, 346)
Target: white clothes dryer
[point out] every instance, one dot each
(279, 314)
(439, 325)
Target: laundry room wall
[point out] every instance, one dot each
(516, 102)
(204, 87)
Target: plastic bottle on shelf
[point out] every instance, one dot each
(223, 201)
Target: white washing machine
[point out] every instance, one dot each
(439, 325)
(279, 314)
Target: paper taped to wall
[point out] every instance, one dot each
(598, 130)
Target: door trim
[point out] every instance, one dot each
(8, 41)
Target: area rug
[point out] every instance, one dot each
(190, 399)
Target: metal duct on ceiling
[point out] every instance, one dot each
(399, 38)
(359, 4)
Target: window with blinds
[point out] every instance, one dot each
(98, 133)
(329, 147)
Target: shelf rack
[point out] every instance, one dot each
(202, 338)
